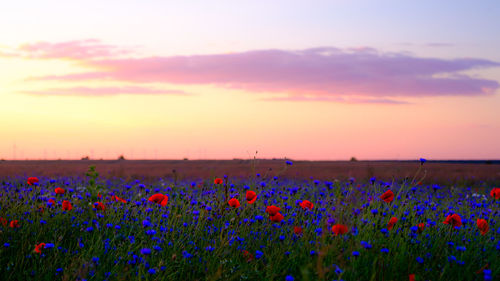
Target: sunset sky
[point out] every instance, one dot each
(317, 80)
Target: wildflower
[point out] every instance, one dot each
(159, 198)
(258, 254)
(66, 205)
(247, 255)
(59, 190)
(32, 180)
(306, 204)
(412, 277)
(99, 206)
(277, 217)
(151, 271)
(51, 202)
(421, 227)
(392, 222)
(297, 230)
(114, 197)
(339, 229)
(251, 196)
(3, 221)
(454, 219)
(420, 260)
(384, 250)
(14, 224)
(289, 163)
(272, 210)
(483, 226)
(233, 202)
(289, 277)
(39, 247)
(387, 196)
(495, 193)
(218, 181)
(355, 253)
(422, 161)
(146, 251)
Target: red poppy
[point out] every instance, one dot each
(412, 277)
(99, 206)
(14, 224)
(159, 198)
(251, 197)
(392, 222)
(495, 193)
(59, 190)
(233, 202)
(272, 210)
(339, 229)
(247, 255)
(114, 197)
(39, 247)
(483, 226)
(421, 227)
(41, 208)
(218, 181)
(51, 201)
(277, 218)
(454, 219)
(297, 230)
(388, 196)
(32, 180)
(66, 205)
(3, 221)
(99, 195)
(306, 204)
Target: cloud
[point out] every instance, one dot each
(315, 73)
(356, 100)
(439, 44)
(103, 91)
(73, 50)
(321, 71)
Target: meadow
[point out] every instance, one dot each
(263, 227)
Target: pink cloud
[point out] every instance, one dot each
(103, 91)
(74, 50)
(323, 71)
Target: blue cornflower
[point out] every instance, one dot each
(422, 161)
(384, 250)
(146, 251)
(312, 253)
(374, 211)
(209, 248)
(89, 229)
(48, 246)
(151, 271)
(146, 223)
(289, 163)
(6, 245)
(420, 260)
(258, 254)
(289, 278)
(355, 253)
(414, 228)
(95, 260)
(452, 258)
(186, 255)
(384, 230)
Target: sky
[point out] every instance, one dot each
(311, 80)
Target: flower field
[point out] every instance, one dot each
(260, 228)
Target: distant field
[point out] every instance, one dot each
(468, 172)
